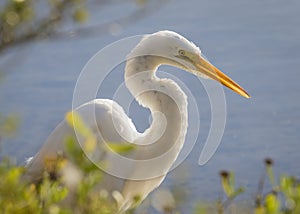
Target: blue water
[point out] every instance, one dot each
(256, 42)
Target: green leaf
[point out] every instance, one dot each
(75, 121)
(8, 125)
(272, 204)
(237, 192)
(259, 210)
(228, 184)
(80, 15)
(121, 147)
(271, 176)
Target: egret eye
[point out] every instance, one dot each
(181, 52)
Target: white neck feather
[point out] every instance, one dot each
(167, 103)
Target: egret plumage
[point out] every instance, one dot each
(167, 103)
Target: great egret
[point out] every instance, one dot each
(168, 106)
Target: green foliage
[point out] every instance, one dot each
(283, 198)
(76, 122)
(55, 196)
(8, 125)
(16, 12)
(86, 197)
(71, 185)
(49, 196)
(228, 184)
(21, 22)
(121, 148)
(15, 196)
(68, 186)
(272, 204)
(290, 187)
(231, 192)
(80, 15)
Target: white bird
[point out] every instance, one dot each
(158, 147)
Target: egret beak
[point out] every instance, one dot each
(206, 68)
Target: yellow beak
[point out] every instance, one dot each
(206, 68)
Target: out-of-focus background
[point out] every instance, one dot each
(254, 42)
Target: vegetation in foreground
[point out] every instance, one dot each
(68, 189)
(20, 25)
(54, 196)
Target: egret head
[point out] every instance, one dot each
(178, 51)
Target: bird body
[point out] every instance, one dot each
(158, 147)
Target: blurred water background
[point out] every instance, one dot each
(257, 43)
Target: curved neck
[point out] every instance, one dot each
(166, 101)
